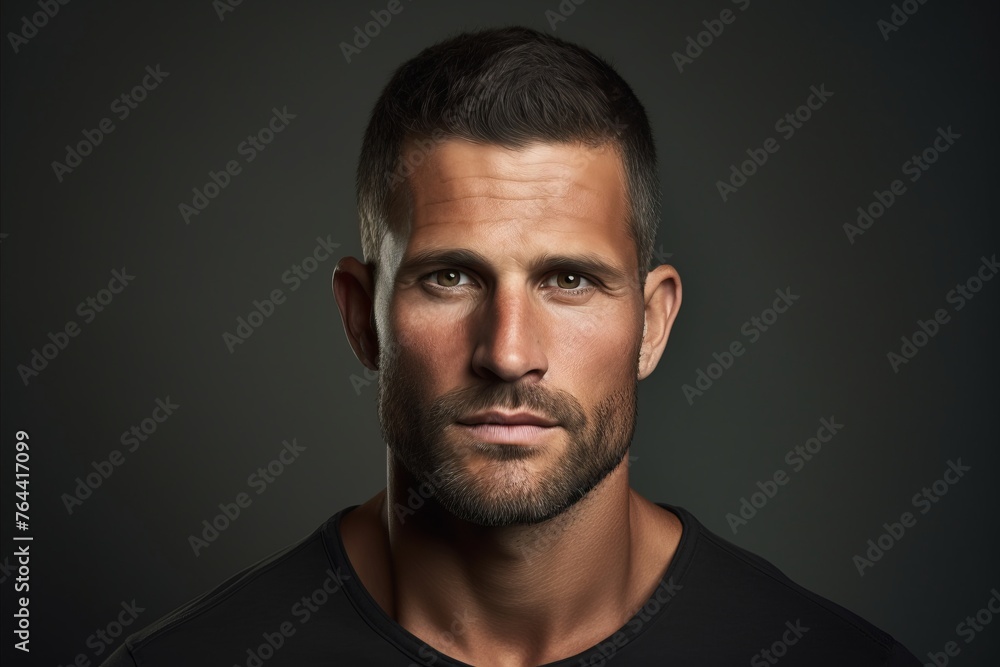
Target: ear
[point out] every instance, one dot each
(354, 290)
(662, 296)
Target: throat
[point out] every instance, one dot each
(552, 589)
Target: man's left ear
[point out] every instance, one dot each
(662, 296)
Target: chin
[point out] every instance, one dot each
(505, 494)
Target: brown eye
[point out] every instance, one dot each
(447, 278)
(569, 281)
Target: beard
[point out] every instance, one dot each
(504, 486)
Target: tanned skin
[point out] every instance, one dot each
(521, 594)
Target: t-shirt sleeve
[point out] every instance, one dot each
(123, 658)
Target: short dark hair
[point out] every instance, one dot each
(505, 86)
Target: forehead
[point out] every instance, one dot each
(567, 194)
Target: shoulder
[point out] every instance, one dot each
(741, 593)
(262, 604)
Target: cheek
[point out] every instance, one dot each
(595, 353)
(432, 347)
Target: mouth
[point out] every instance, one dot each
(508, 419)
(521, 428)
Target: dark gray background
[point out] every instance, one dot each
(162, 336)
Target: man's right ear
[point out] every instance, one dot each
(354, 290)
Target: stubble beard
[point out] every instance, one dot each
(507, 489)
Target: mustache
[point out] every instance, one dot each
(558, 405)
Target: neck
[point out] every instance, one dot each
(514, 595)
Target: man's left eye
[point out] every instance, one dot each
(570, 281)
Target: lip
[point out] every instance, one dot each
(510, 434)
(509, 419)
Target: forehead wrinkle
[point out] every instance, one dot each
(493, 181)
(529, 191)
(484, 228)
(496, 210)
(506, 169)
(496, 178)
(455, 199)
(474, 185)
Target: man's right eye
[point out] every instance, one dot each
(448, 278)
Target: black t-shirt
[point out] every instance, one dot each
(717, 604)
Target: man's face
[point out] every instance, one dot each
(513, 288)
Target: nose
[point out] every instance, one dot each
(510, 334)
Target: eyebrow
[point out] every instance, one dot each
(589, 263)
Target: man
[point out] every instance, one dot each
(508, 198)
